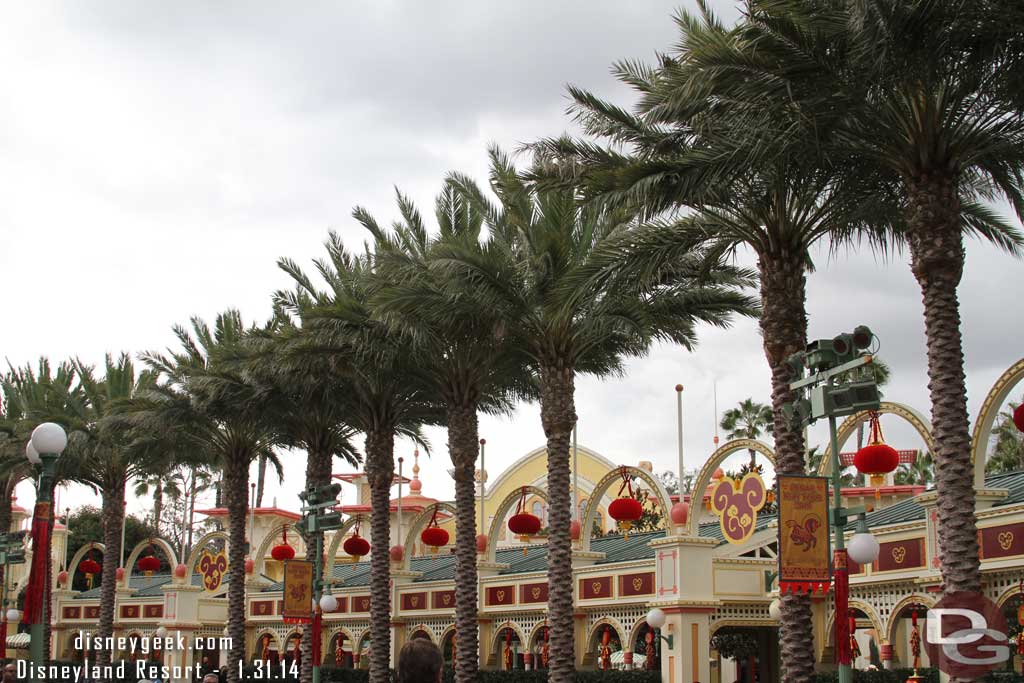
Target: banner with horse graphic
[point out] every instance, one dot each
(803, 534)
(298, 592)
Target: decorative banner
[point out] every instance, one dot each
(298, 592)
(737, 502)
(803, 534)
(212, 568)
(32, 613)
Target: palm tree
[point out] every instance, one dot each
(1006, 452)
(747, 421)
(386, 396)
(919, 473)
(539, 273)
(469, 359)
(157, 485)
(109, 460)
(221, 413)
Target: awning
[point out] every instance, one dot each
(19, 641)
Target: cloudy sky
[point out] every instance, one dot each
(157, 158)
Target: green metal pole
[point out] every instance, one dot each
(845, 672)
(318, 547)
(37, 631)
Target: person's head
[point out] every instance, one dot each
(419, 662)
(211, 678)
(10, 671)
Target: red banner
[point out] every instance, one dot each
(803, 534)
(36, 591)
(842, 605)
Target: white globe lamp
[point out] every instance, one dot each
(31, 454)
(863, 548)
(161, 632)
(13, 615)
(328, 603)
(656, 618)
(49, 438)
(775, 609)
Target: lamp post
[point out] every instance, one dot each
(48, 442)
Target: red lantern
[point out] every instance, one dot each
(180, 571)
(523, 524)
(90, 568)
(284, 551)
(877, 459)
(150, 563)
(433, 535)
(627, 509)
(397, 552)
(250, 565)
(481, 543)
(356, 546)
(119, 573)
(1018, 417)
(574, 529)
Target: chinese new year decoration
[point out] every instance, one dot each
(626, 510)
(150, 563)
(803, 522)
(284, 550)
(508, 650)
(1020, 619)
(356, 546)
(1018, 417)
(524, 524)
(90, 568)
(213, 568)
(298, 592)
(545, 650)
(606, 651)
(915, 646)
(737, 502)
(876, 459)
(434, 535)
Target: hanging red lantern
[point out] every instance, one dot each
(523, 524)
(283, 551)
(574, 529)
(150, 563)
(877, 459)
(90, 568)
(626, 510)
(356, 546)
(433, 535)
(1018, 417)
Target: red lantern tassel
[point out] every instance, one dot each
(842, 604)
(35, 593)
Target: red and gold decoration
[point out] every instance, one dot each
(1018, 417)
(606, 651)
(1020, 618)
(737, 502)
(877, 458)
(524, 524)
(434, 536)
(283, 551)
(298, 592)
(845, 642)
(626, 510)
(803, 523)
(37, 578)
(356, 546)
(545, 652)
(149, 563)
(915, 646)
(508, 650)
(213, 568)
(90, 568)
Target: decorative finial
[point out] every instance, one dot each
(415, 485)
(483, 442)
(679, 387)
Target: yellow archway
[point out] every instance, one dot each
(79, 554)
(860, 605)
(894, 613)
(700, 484)
(260, 559)
(418, 524)
(335, 543)
(198, 549)
(919, 422)
(997, 395)
(158, 542)
(606, 483)
(499, 516)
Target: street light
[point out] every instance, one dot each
(775, 609)
(48, 442)
(863, 548)
(656, 619)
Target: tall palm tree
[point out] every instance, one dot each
(386, 395)
(538, 272)
(109, 460)
(222, 413)
(156, 484)
(919, 473)
(470, 359)
(748, 420)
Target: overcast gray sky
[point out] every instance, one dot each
(157, 158)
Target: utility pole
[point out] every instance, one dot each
(319, 516)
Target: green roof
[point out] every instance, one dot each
(909, 511)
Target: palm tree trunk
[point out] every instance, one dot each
(236, 484)
(113, 519)
(158, 504)
(261, 480)
(191, 514)
(937, 260)
(318, 473)
(463, 446)
(558, 415)
(784, 331)
(380, 470)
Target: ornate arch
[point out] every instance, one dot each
(260, 559)
(417, 525)
(863, 607)
(915, 419)
(496, 639)
(607, 481)
(342, 630)
(425, 629)
(756, 622)
(537, 633)
(634, 632)
(199, 547)
(335, 542)
(894, 613)
(994, 400)
(156, 541)
(616, 626)
(79, 554)
(275, 641)
(700, 484)
(499, 515)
